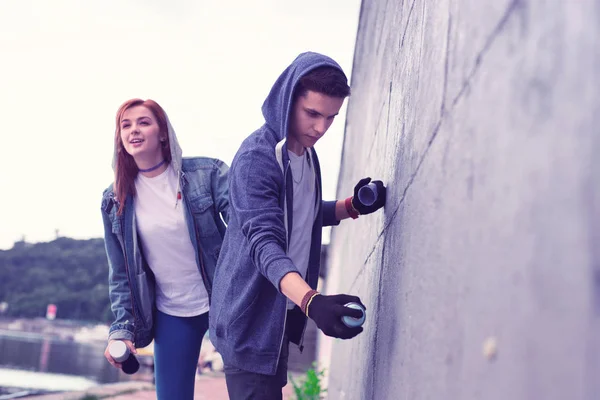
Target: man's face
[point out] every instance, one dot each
(312, 114)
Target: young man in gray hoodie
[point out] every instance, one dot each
(268, 268)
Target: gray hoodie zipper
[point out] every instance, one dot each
(287, 246)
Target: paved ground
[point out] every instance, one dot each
(208, 387)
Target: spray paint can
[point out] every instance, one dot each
(351, 322)
(368, 194)
(120, 353)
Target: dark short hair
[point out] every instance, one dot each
(326, 80)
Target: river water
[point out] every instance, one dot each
(53, 364)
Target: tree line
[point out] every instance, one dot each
(70, 273)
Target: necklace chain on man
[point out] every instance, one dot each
(304, 160)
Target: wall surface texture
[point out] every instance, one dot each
(483, 117)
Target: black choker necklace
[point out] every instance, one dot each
(153, 168)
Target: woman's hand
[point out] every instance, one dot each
(111, 360)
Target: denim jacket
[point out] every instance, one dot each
(204, 190)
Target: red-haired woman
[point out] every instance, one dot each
(163, 228)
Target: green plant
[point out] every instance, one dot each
(309, 387)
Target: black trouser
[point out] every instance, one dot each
(245, 385)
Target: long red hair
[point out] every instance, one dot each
(125, 167)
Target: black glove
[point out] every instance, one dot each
(327, 312)
(380, 202)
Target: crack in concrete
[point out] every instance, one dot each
(446, 61)
(379, 39)
(376, 331)
(412, 6)
(387, 123)
(412, 178)
(421, 47)
(512, 7)
(379, 119)
(391, 219)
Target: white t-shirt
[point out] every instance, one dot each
(304, 212)
(167, 247)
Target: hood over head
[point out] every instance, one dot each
(176, 155)
(277, 106)
(176, 152)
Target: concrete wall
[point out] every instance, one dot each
(484, 119)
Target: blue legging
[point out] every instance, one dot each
(177, 342)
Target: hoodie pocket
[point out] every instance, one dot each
(203, 211)
(253, 330)
(246, 322)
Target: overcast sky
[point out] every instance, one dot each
(67, 65)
